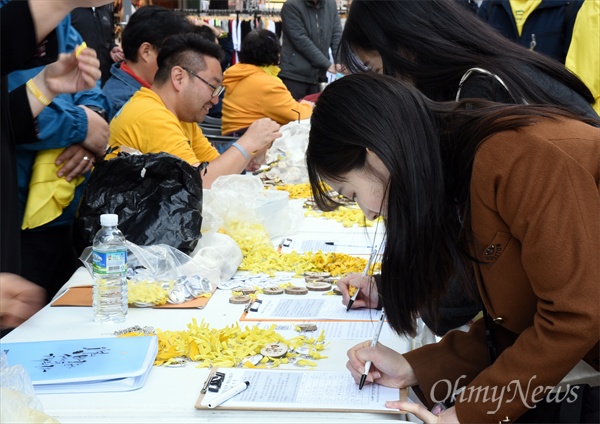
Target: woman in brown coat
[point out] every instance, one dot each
(507, 193)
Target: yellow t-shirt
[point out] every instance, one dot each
(521, 10)
(145, 124)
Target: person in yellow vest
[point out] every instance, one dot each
(253, 90)
(164, 118)
(544, 26)
(583, 58)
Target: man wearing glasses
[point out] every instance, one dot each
(164, 118)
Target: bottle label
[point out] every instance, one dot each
(110, 262)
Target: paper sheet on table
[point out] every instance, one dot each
(333, 330)
(301, 390)
(308, 309)
(355, 247)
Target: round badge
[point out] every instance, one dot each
(239, 300)
(318, 286)
(274, 350)
(273, 290)
(247, 290)
(316, 274)
(296, 290)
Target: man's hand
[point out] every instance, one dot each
(77, 161)
(96, 140)
(259, 135)
(19, 299)
(334, 69)
(116, 54)
(70, 74)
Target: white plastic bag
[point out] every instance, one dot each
(243, 199)
(218, 255)
(19, 403)
(289, 151)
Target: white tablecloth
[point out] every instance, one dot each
(169, 394)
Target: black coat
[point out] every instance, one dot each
(96, 26)
(19, 48)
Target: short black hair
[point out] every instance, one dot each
(151, 24)
(206, 32)
(260, 48)
(185, 50)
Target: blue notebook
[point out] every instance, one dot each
(85, 365)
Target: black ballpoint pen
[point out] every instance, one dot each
(373, 344)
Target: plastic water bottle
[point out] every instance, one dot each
(109, 254)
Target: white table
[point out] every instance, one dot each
(169, 394)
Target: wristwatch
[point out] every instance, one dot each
(99, 111)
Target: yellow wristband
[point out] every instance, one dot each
(31, 87)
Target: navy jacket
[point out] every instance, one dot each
(548, 29)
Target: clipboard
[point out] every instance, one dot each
(299, 390)
(82, 296)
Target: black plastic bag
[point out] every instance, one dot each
(158, 198)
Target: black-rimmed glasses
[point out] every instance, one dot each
(216, 90)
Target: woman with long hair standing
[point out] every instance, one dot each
(438, 46)
(507, 193)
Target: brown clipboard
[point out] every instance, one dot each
(82, 296)
(403, 395)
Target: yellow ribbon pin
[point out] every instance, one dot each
(80, 49)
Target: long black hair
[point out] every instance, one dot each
(434, 42)
(428, 149)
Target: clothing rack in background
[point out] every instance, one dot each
(229, 13)
(232, 15)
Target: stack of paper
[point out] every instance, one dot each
(85, 365)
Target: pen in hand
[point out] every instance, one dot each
(373, 344)
(224, 397)
(365, 272)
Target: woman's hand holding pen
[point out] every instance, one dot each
(388, 367)
(368, 296)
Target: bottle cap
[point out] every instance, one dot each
(109, 219)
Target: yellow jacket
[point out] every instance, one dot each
(251, 94)
(583, 58)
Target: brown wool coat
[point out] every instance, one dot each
(535, 213)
